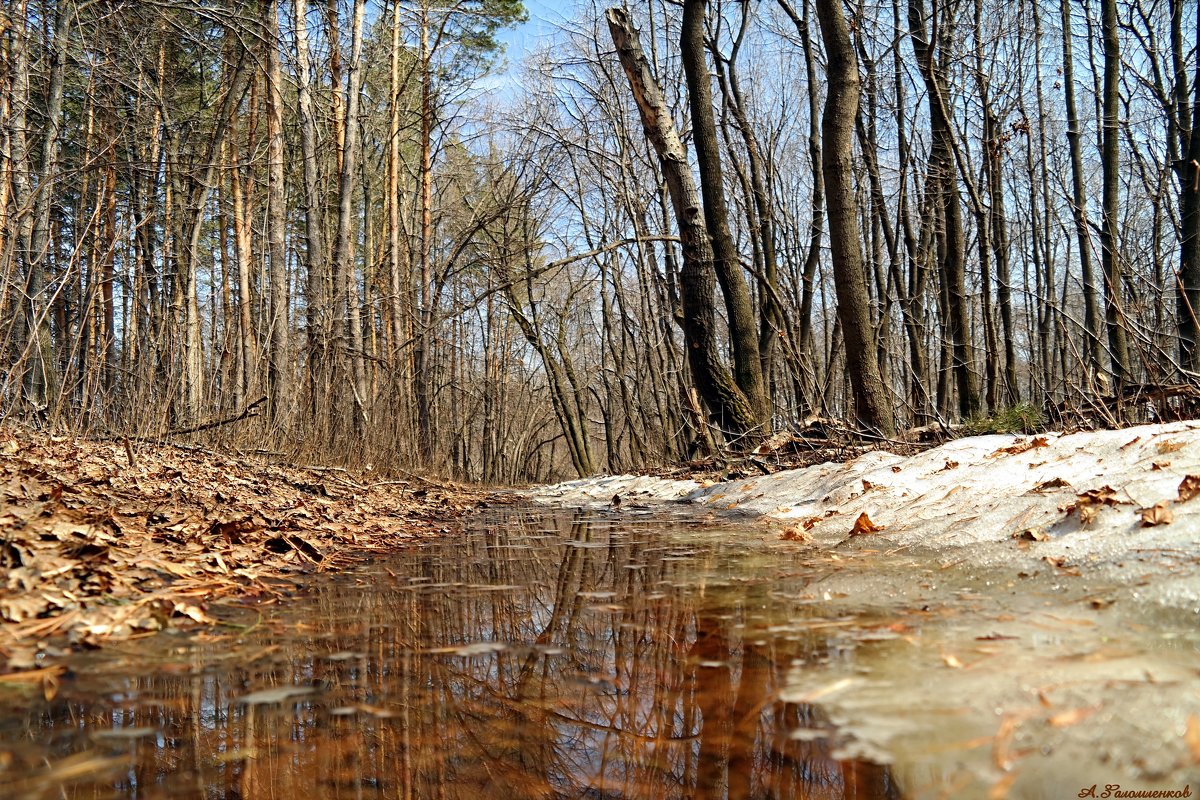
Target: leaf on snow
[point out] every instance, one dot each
(1189, 487)
(1158, 514)
(863, 525)
(1021, 446)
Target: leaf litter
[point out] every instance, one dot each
(96, 545)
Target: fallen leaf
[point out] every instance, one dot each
(1189, 487)
(949, 466)
(1032, 535)
(1160, 465)
(194, 612)
(1053, 483)
(1169, 447)
(794, 534)
(1060, 564)
(1088, 514)
(1019, 446)
(863, 525)
(1158, 514)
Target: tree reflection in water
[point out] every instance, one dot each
(534, 657)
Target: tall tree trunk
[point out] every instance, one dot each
(40, 368)
(747, 368)
(1091, 304)
(349, 333)
(872, 404)
(729, 407)
(279, 370)
(315, 257)
(1114, 311)
(422, 358)
(1188, 171)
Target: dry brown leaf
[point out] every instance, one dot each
(1087, 514)
(1160, 465)
(1032, 535)
(1053, 483)
(1169, 447)
(1105, 495)
(949, 466)
(1158, 514)
(1189, 487)
(863, 525)
(794, 534)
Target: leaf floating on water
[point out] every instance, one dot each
(1189, 487)
(1158, 514)
(279, 694)
(863, 525)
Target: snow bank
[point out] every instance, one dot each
(983, 490)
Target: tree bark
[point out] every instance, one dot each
(871, 401)
(1114, 311)
(279, 369)
(747, 368)
(349, 333)
(728, 405)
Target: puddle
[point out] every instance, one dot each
(544, 655)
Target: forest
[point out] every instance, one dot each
(361, 232)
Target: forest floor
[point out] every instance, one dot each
(108, 540)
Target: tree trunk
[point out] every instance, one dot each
(728, 405)
(315, 257)
(1188, 172)
(279, 370)
(349, 326)
(1114, 311)
(1091, 302)
(747, 368)
(871, 401)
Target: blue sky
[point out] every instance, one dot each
(544, 15)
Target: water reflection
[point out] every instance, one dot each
(536, 657)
